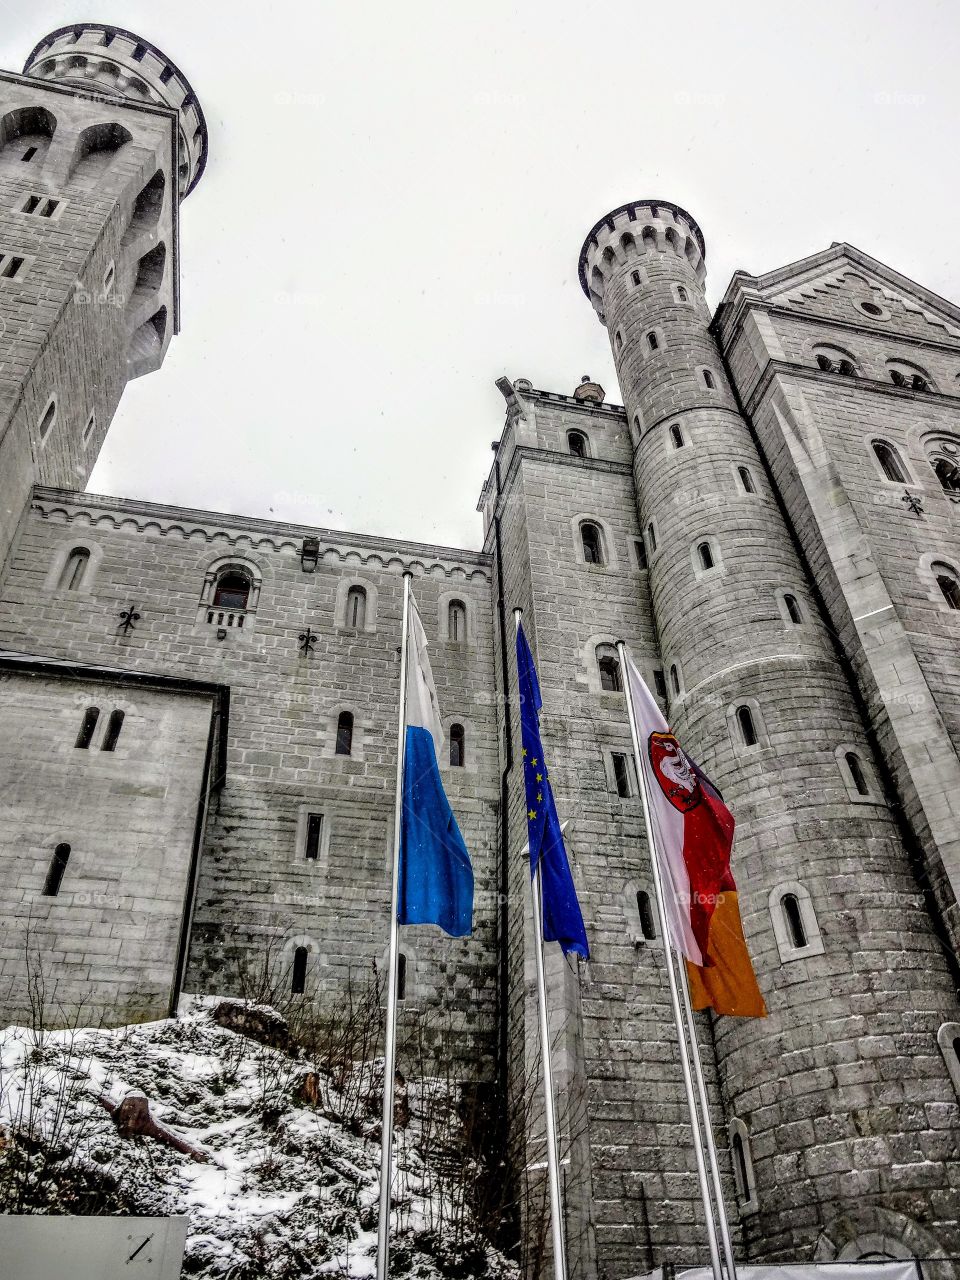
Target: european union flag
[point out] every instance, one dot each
(562, 921)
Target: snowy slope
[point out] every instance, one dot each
(289, 1186)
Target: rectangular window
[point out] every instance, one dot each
(88, 429)
(10, 266)
(40, 206)
(624, 774)
(641, 552)
(314, 836)
(659, 683)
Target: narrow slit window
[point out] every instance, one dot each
(457, 621)
(356, 608)
(577, 443)
(618, 338)
(621, 774)
(74, 569)
(675, 678)
(740, 1167)
(651, 534)
(748, 730)
(87, 727)
(28, 154)
(705, 552)
(592, 544)
(314, 836)
(401, 976)
(11, 267)
(635, 277)
(653, 342)
(298, 979)
(645, 911)
(55, 872)
(344, 734)
(47, 421)
(794, 919)
(889, 460)
(746, 479)
(681, 293)
(708, 381)
(114, 725)
(659, 683)
(457, 746)
(609, 667)
(948, 584)
(676, 435)
(89, 428)
(641, 553)
(794, 612)
(857, 774)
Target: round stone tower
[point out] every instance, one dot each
(829, 1097)
(124, 65)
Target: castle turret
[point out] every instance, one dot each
(827, 1097)
(99, 140)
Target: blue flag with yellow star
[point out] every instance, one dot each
(562, 921)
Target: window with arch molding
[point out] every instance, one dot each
(792, 606)
(648, 929)
(608, 665)
(909, 376)
(708, 380)
(746, 480)
(457, 746)
(635, 277)
(298, 976)
(857, 774)
(948, 473)
(743, 1166)
(949, 584)
(74, 569)
(357, 608)
(682, 295)
(747, 726)
(835, 360)
(705, 554)
(676, 436)
(794, 921)
(344, 744)
(457, 622)
(675, 679)
(890, 461)
(232, 590)
(577, 444)
(653, 342)
(592, 542)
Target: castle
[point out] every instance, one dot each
(199, 710)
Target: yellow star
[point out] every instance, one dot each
(531, 814)
(539, 797)
(534, 761)
(524, 751)
(539, 777)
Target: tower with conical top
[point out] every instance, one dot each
(820, 1096)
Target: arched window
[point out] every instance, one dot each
(457, 746)
(825, 363)
(708, 381)
(705, 552)
(674, 678)
(577, 443)
(592, 543)
(457, 621)
(748, 730)
(846, 367)
(889, 460)
(344, 734)
(856, 773)
(948, 473)
(74, 569)
(909, 376)
(618, 337)
(608, 665)
(746, 479)
(87, 727)
(653, 341)
(298, 979)
(790, 906)
(356, 608)
(742, 1164)
(401, 976)
(681, 293)
(645, 910)
(948, 584)
(58, 865)
(635, 277)
(676, 435)
(794, 611)
(232, 590)
(114, 725)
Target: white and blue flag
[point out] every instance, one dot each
(436, 878)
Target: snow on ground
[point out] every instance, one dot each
(289, 1188)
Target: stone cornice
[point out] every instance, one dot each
(162, 520)
(877, 387)
(523, 453)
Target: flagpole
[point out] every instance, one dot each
(707, 1126)
(550, 1115)
(672, 979)
(390, 1040)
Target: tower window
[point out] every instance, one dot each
(748, 730)
(74, 569)
(233, 591)
(681, 293)
(635, 277)
(114, 725)
(89, 428)
(356, 608)
(621, 774)
(457, 621)
(298, 980)
(659, 683)
(87, 727)
(58, 865)
(741, 1166)
(708, 381)
(28, 154)
(401, 976)
(457, 746)
(608, 665)
(793, 609)
(577, 443)
(653, 342)
(790, 906)
(344, 745)
(10, 266)
(48, 419)
(645, 911)
(675, 678)
(314, 836)
(889, 460)
(651, 534)
(856, 773)
(592, 544)
(641, 553)
(618, 338)
(676, 435)
(746, 479)
(948, 473)
(705, 552)
(948, 584)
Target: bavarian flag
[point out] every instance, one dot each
(435, 876)
(692, 833)
(562, 919)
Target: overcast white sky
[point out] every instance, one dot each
(397, 194)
